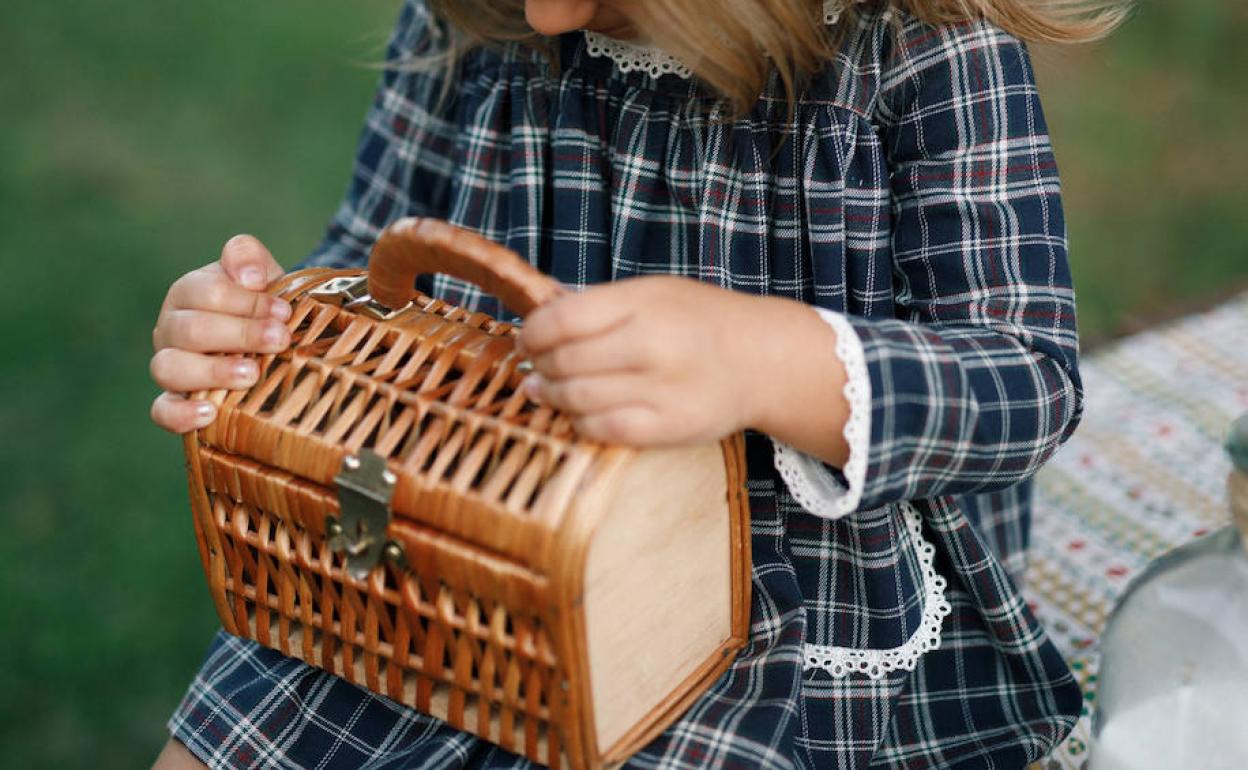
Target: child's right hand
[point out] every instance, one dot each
(218, 309)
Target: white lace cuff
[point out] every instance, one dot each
(841, 661)
(811, 482)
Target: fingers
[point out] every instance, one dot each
(634, 425)
(177, 414)
(182, 370)
(581, 395)
(221, 308)
(248, 263)
(573, 317)
(205, 332)
(609, 408)
(612, 351)
(211, 289)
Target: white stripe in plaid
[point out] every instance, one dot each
(917, 193)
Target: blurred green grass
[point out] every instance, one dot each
(1149, 129)
(136, 138)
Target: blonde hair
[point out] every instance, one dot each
(752, 38)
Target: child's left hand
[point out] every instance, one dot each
(647, 361)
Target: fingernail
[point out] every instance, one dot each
(532, 386)
(205, 412)
(251, 278)
(274, 335)
(245, 371)
(280, 309)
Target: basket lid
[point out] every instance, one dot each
(432, 390)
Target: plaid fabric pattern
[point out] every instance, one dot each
(913, 188)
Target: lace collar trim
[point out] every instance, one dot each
(629, 57)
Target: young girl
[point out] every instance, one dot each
(855, 214)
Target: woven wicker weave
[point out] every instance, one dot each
(561, 598)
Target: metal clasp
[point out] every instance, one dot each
(351, 293)
(365, 489)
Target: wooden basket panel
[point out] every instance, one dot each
(484, 625)
(428, 637)
(436, 392)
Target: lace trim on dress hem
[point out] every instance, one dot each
(842, 661)
(629, 57)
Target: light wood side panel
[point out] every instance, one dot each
(658, 594)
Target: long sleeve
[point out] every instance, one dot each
(403, 161)
(974, 384)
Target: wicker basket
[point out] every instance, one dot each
(386, 504)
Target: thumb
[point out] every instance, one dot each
(248, 263)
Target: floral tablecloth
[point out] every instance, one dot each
(1144, 473)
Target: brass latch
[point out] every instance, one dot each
(365, 489)
(351, 293)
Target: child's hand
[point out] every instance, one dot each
(219, 308)
(646, 361)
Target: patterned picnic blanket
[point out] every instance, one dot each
(1144, 473)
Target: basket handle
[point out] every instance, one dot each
(415, 246)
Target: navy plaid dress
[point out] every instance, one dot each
(913, 190)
